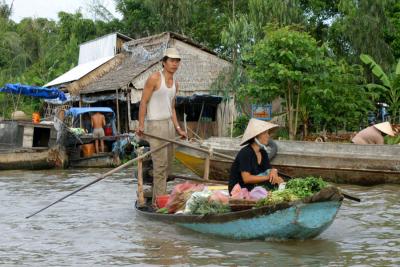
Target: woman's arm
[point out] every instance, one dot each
(272, 177)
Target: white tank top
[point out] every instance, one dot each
(160, 104)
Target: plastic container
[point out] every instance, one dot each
(161, 201)
(108, 131)
(87, 150)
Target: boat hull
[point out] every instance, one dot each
(299, 221)
(26, 159)
(303, 221)
(99, 161)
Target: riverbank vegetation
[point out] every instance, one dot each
(305, 52)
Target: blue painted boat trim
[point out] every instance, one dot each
(301, 221)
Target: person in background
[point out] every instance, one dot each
(251, 166)
(87, 122)
(98, 122)
(373, 134)
(158, 117)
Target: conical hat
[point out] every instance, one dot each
(385, 127)
(254, 128)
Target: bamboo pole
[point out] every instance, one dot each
(101, 177)
(190, 146)
(140, 179)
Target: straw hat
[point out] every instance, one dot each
(254, 128)
(385, 127)
(172, 53)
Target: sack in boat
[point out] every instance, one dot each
(258, 193)
(220, 196)
(239, 193)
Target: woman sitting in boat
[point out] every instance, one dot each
(251, 166)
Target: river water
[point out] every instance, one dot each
(99, 226)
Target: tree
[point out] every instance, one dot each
(285, 64)
(282, 13)
(290, 65)
(360, 28)
(389, 89)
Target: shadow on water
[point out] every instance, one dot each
(99, 226)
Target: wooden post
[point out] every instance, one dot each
(118, 123)
(207, 164)
(128, 102)
(80, 116)
(140, 179)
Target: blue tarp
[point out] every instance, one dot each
(34, 91)
(78, 111)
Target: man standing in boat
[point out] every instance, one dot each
(98, 122)
(157, 109)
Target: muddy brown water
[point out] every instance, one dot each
(99, 227)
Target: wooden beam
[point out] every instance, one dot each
(190, 146)
(128, 103)
(118, 123)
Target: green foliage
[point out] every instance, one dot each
(304, 187)
(276, 197)
(392, 140)
(203, 206)
(282, 13)
(240, 124)
(360, 27)
(285, 64)
(297, 188)
(389, 89)
(312, 69)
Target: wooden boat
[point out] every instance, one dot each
(32, 159)
(297, 220)
(335, 162)
(104, 160)
(25, 145)
(77, 145)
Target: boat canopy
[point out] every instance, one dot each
(34, 91)
(78, 111)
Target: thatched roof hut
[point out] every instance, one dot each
(123, 77)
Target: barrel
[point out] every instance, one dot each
(87, 150)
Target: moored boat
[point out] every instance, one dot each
(26, 145)
(336, 162)
(293, 220)
(80, 146)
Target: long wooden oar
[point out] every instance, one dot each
(101, 177)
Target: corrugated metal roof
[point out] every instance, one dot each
(100, 48)
(78, 72)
